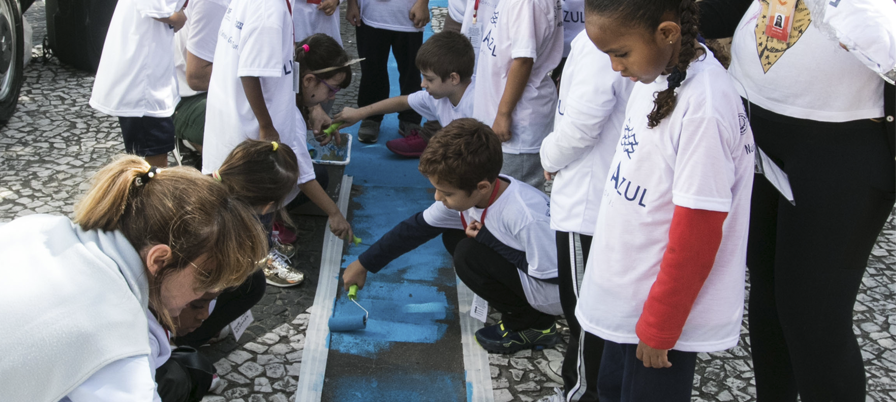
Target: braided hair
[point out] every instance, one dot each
(648, 14)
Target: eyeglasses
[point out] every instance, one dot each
(333, 89)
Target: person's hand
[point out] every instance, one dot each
(501, 127)
(317, 122)
(473, 229)
(355, 274)
(328, 6)
(549, 175)
(353, 13)
(419, 13)
(655, 358)
(268, 134)
(340, 227)
(349, 116)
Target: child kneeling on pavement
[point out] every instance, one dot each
(509, 260)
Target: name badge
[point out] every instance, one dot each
(475, 37)
(780, 19)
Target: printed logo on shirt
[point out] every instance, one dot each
(577, 17)
(489, 41)
(744, 122)
(287, 68)
(750, 148)
(239, 25)
(630, 194)
(494, 19)
(629, 141)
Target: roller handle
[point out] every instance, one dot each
(332, 129)
(353, 292)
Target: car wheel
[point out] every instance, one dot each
(11, 52)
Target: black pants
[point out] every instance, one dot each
(623, 378)
(806, 261)
(147, 136)
(231, 304)
(185, 377)
(494, 279)
(582, 361)
(373, 45)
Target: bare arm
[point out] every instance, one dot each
(517, 77)
(338, 225)
(199, 72)
(351, 116)
(252, 88)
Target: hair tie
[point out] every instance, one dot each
(306, 48)
(217, 176)
(146, 177)
(275, 145)
(676, 77)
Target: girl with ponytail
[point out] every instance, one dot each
(78, 297)
(665, 276)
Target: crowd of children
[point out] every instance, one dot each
(643, 240)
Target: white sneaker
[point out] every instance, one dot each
(555, 370)
(557, 397)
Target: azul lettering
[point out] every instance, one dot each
(577, 17)
(287, 68)
(489, 41)
(559, 109)
(625, 189)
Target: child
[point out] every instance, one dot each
(521, 42)
(142, 238)
(135, 79)
(589, 119)
(324, 68)
(380, 25)
(194, 56)
(446, 61)
(665, 276)
(507, 260)
(317, 16)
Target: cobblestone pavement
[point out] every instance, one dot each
(55, 141)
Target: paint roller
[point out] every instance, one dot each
(347, 322)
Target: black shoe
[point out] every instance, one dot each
(497, 339)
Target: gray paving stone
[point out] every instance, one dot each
(223, 367)
(275, 370)
(254, 347)
(294, 356)
(497, 360)
(527, 386)
(269, 338)
(262, 384)
(278, 398)
(294, 369)
(280, 349)
(503, 395)
(236, 393)
(239, 356)
(287, 384)
(264, 360)
(212, 398)
(552, 355)
(251, 369)
(236, 378)
(500, 382)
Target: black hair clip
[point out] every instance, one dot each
(676, 77)
(145, 178)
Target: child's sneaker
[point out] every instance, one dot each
(369, 131)
(278, 272)
(288, 250)
(407, 128)
(282, 233)
(497, 339)
(411, 146)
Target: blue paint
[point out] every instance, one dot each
(409, 386)
(469, 391)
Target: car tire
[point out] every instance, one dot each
(12, 43)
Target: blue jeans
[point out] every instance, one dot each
(623, 378)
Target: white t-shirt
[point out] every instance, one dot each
(587, 123)
(474, 31)
(699, 157)
(393, 15)
(573, 22)
(520, 219)
(308, 20)
(255, 41)
(299, 144)
(200, 36)
(813, 79)
(517, 29)
(456, 9)
(136, 77)
(442, 109)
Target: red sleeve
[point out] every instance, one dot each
(694, 239)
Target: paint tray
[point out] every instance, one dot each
(330, 154)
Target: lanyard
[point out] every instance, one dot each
(475, 11)
(490, 201)
(289, 7)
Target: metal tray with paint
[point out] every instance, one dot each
(330, 154)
